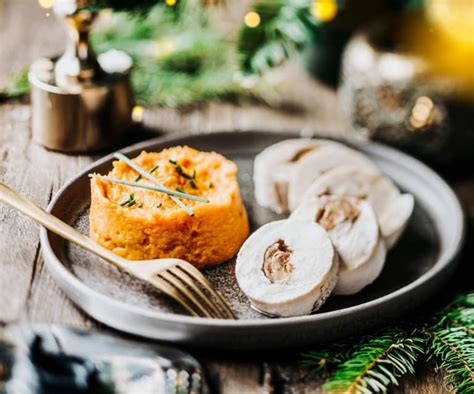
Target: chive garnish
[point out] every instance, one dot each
(122, 157)
(140, 204)
(151, 172)
(180, 190)
(180, 170)
(130, 202)
(159, 205)
(172, 193)
(193, 184)
(211, 185)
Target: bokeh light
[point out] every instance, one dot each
(170, 3)
(324, 10)
(455, 18)
(252, 19)
(422, 112)
(46, 3)
(137, 113)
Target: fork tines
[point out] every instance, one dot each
(190, 288)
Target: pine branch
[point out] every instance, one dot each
(327, 358)
(179, 58)
(378, 362)
(454, 348)
(17, 85)
(285, 27)
(452, 343)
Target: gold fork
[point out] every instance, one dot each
(174, 277)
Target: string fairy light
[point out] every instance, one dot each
(324, 10)
(137, 113)
(422, 112)
(46, 3)
(252, 19)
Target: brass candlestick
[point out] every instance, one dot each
(80, 103)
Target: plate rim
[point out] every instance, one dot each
(449, 255)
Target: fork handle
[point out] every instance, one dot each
(57, 226)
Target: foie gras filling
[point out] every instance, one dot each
(336, 211)
(277, 266)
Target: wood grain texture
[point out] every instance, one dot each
(28, 292)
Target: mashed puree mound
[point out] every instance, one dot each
(155, 226)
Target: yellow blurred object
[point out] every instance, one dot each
(170, 3)
(252, 19)
(455, 18)
(445, 39)
(324, 10)
(137, 113)
(46, 3)
(422, 112)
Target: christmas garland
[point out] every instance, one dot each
(374, 363)
(283, 28)
(179, 59)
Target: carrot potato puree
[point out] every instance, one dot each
(155, 226)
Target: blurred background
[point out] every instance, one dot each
(396, 71)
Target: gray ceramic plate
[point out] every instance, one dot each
(415, 270)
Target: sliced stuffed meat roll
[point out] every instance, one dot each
(316, 163)
(350, 222)
(352, 226)
(273, 169)
(393, 209)
(287, 268)
(351, 281)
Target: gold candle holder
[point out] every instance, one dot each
(80, 104)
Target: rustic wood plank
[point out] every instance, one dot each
(37, 174)
(17, 263)
(234, 377)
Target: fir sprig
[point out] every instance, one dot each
(179, 58)
(16, 85)
(454, 348)
(377, 362)
(451, 342)
(329, 357)
(285, 28)
(372, 363)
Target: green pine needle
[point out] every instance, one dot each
(179, 59)
(454, 348)
(17, 85)
(377, 362)
(373, 363)
(286, 26)
(452, 343)
(329, 357)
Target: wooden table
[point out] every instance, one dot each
(27, 291)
